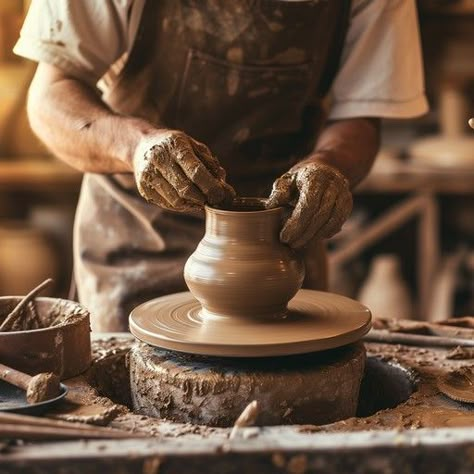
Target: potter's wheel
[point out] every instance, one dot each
(316, 321)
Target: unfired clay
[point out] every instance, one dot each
(240, 268)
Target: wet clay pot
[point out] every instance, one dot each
(240, 268)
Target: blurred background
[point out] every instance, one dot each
(408, 249)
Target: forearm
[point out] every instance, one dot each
(70, 118)
(350, 146)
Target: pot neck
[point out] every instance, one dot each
(262, 225)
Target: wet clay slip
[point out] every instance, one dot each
(244, 299)
(240, 268)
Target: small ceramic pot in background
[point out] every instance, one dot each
(240, 268)
(384, 292)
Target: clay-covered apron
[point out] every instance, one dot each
(245, 77)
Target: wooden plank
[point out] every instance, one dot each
(448, 182)
(31, 175)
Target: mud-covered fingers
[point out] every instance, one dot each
(202, 178)
(341, 211)
(161, 193)
(166, 191)
(208, 159)
(214, 167)
(165, 164)
(319, 209)
(309, 199)
(282, 192)
(152, 196)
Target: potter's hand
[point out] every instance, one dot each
(320, 200)
(176, 172)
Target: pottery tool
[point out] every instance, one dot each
(247, 418)
(458, 384)
(38, 429)
(17, 312)
(390, 337)
(39, 388)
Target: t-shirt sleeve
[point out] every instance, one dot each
(82, 37)
(381, 72)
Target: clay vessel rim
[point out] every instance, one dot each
(259, 204)
(78, 320)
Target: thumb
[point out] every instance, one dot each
(281, 192)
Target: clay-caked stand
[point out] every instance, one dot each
(403, 424)
(249, 333)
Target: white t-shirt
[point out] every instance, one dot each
(381, 71)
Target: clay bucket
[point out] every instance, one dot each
(240, 268)
(64, 349)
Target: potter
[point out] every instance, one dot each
(199, 102)
(240, 268)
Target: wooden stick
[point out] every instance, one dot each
(35, 423)
(389, 337)
(39, 388)
(246, 418)
(47, 433)
(14, 377)
(15, 314)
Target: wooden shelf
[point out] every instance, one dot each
(449, 182)
(36, 175)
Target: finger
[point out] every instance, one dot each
(209, 160)
(195, 170)
(341, 212)
(166, 165)
(214, 167)
(167, 192)
(283, 189)
(322, 211)
(310, 195)
(152, 196)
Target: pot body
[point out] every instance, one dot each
(240, 268)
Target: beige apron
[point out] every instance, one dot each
(245, 77)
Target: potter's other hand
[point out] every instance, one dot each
(320, 201)
(176, 172)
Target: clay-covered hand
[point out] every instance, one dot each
(319, 198)
(176, 172)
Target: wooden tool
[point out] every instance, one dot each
(17, 311)
(389, 337)
(34, 428)
(39, 388)
(246, 418)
